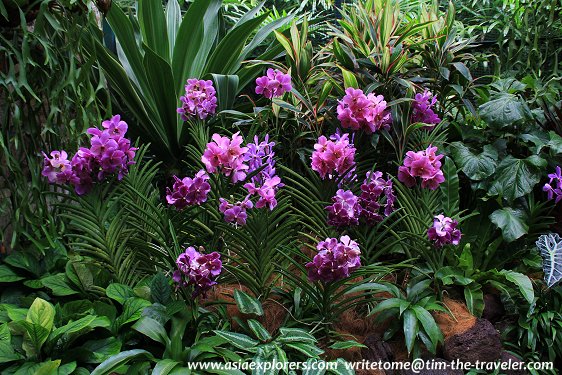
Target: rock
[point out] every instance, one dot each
(376, 349)
(480, 343)
(439, 363)
(507, 357)
(493, 308)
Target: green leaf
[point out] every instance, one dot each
(227, 87)
(47, 368)
(349, 79)
(550, 248)
(342, 345)
(173, 21)
(504, 110)
(247, 304)
(152, 22)
(515, 178)
(461, 67)
(238, 340)
(555, 142)
(59, 285)
(41, 313)
(476, 167)
(160, 290)
(310, 350)
(410, 326)
(101, 350)
(295, 334)
(512, 223)
(73, 327)
(522, 282)
(7, 353)
(34, 338)
(164, 367)
(450, 188)
(429, 325)
(474, 299)
(342, 368)
(119, 292)
(153, 329)
(7, 275)
(116, 361)
(261, 333)
(132, 310)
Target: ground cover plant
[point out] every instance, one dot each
(257, 182)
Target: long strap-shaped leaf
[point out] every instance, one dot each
(152, 22)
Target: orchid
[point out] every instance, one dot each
(333, 155)
(199, 101)
(358, 111)
(554, 186)
(335, 260)
(422, 109)
(197, 269)
(424, 164)
(444, 231)
(189, 191)
(274, 84)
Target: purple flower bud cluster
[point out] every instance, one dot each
(336, 154)
(358, 111)
(235, 213)
(198, 270)
(423, 164)
(422, 109)
(109, 153)
(554, 186)
(226, 155)
(189, 191)
(335, 260)
(200, 100)
(273, 84)
(348, 208)
(264, 184)
(444, 231)
(372, 190)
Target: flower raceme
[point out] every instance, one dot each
(235, 213)
(189, 191)
(358, 111)
(335, 260)
(554, 187)
(347, 208)
(198, 270)
(444, 231)
(424, 164)
(333, 155)
(422, 109)
(109, 153)
(274, 84)
(200, 100)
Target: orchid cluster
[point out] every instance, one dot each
(422, 109)
(424, 164)
(189, 191)
(348, 208)
(235, 213)
(199, 100)
(265, 183)
(358, 111)
(274, 84)
(109, 153)
(225, 155)
(334, 155)
(335, 260)
(554, 186)
(444, 231)
(197, 269)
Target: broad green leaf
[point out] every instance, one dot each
(152, 329)
(47, 368)
(238, 340)
(410, 325)
(119, 292)
(247, 304)
(474, 299)
(342, 368)
(504, 110)
(73, 327)
(227, 87)
(476, 167)
(512, 223)
(349, 79)
(116, 361)
(259, 331)
(295, 334)
(59, 285)
(173, 21)
(516, 177)
(152, 22)
(522, 282)
(132, 310)
(160, 289)
(34, 338)
(101, 350)
(41, 313)
(164, 367)
(7, 275)
(429, 325)
(310, 350)
(550, 248)
(340, 345)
